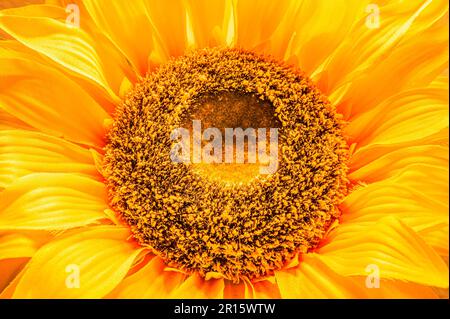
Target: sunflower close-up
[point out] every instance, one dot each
(237, 149)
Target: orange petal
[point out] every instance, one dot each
(51, 201)
(100, 255)
(47, 100)
(10, 269)
(234, 291)
(266, 290)
(11, 284)
(8, 122)
(23, 152)
(196, 287)
(151, 281)
(390, 245)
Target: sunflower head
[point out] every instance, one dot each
(231, 228)
(315, 163)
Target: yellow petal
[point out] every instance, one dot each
(407, 116)
(100, 255)
(17, 244)
(406, 71)
(367, 154)
(436, 235)
(418, 189)
(37, 28)
(169, 25)
(23, 152)
(256, 29)
(395, 289)
(47, 100)
(316, 287)
(51, 201)
(37, 10)
(213, 22)
(127, 25)
(313, 279)
(394, 47)
(417, 194)
(393, 247)
(389, 164)
(196, 287)
(370, 204)
(319, 28)
(151, 281)
(13, 48)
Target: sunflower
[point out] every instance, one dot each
(91, 206)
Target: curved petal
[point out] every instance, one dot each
(47, 100)
(23, 152)
(256, 29)
(234, 291)
(128, 27)
(18, 244)
(416, 194)
(319, 28)
(51, 201)
(101, 256)
(16, 50)
(10, 269)
(389, 244)
(396, 289)
(413, 65)
(410, 115)
(151, 281)
(266, 290)
(169, 25)
(313, 279)
(9, 122)
(196, 287)
(16, 248)
(38, 28)
(365, 155)
(213, 23)
(391, 163)
(393, 47)
(15, 275)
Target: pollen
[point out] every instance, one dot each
(222, 219)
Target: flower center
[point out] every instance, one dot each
(230, 112)
(226, 217)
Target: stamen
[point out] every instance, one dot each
(194, 217)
